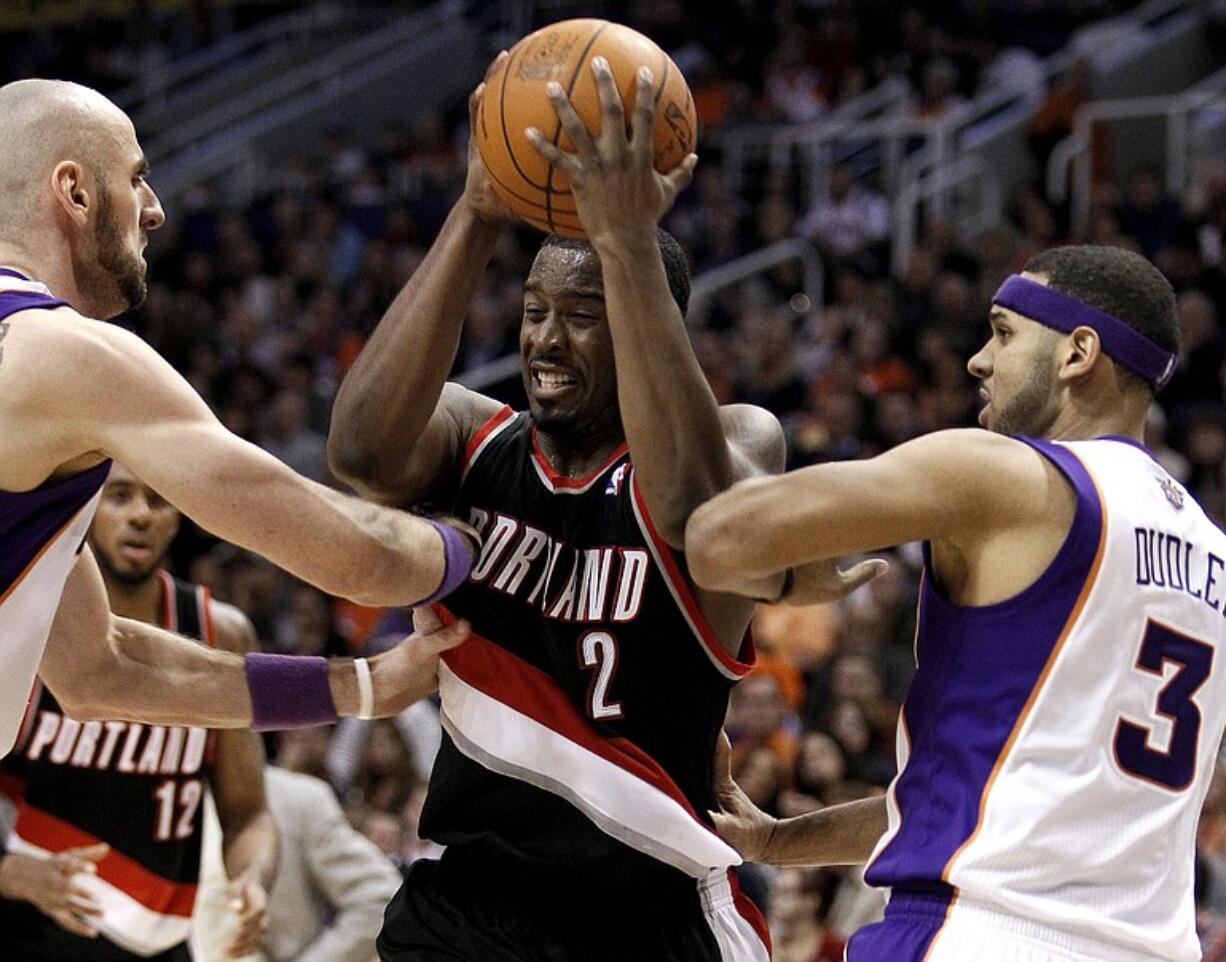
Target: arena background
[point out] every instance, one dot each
(869, 173)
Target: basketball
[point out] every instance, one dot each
(515, 99)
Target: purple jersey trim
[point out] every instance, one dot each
(30, 519)
(976, 669)
(13, 301)
(912, 921)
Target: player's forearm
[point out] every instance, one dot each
(153, 676)
(249, 847)
(840, 835)
(388, 395)
(390, 557)
(670, 416)
(746, 537)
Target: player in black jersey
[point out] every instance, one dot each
(581, 716)
(135, 791)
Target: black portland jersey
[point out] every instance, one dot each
(137, 787)
(581, 717)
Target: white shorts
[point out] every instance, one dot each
(924, 928)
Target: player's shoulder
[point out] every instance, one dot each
(469, 409)
(1002, 475)
(973, 448)
(59, 347)
(232, 630)
(758, 434)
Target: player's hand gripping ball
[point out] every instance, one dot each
(515, 99)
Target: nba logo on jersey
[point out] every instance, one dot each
(618, 478)
(1174, 493)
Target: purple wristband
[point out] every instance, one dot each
(458, 558)
(288, 691)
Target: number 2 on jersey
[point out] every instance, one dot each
(1175, 767)
(598, 649)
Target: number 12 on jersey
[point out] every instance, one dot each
(1176, 767)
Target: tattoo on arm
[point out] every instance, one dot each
(4, 329)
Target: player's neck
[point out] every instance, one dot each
(578, 454)
(140, 602)
(1073, 425)
(54, 272)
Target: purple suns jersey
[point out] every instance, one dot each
(1055, 749)
(41, 533)
(580, 717)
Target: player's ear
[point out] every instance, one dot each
(1080, 351)
(71, 191)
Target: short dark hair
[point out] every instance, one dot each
(1119, 282)
(676, 267)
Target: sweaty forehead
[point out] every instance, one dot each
(561, 270)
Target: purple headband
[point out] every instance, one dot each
(1061, 311)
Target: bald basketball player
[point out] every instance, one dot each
(76, 392)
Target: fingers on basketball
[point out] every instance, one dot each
(523, 172)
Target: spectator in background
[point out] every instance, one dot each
(1148, 212)
(758, 717)
(289, 438)
(847, 218)
(332, 884)
(1054, 119)
(821, 768)
(1211, 871)
(798, 902)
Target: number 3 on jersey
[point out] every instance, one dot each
(598, 650)
(1175, 767)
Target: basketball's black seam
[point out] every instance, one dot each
(527, 201)
(506, 137)
(557, 132)
(663, 80)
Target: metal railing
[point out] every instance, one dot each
(709, 283)
(908, 147)
(778, 143)
(941, 184)
(1070, 168)
(705, 286)
(159, 84)
(221, 139)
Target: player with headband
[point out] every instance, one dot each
(1060, 733)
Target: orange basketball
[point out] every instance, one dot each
(515, 99)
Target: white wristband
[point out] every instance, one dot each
(366, 688)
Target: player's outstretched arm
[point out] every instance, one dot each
(949, 486)
(137, 408)
(397, 432)
(100, 666)
(840, 835)
(672, 421)
(249, 835)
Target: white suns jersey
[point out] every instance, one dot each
(1056, 748)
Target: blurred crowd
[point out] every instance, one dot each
(264, 308)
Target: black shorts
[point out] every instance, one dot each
(430, 920)
(29, 936)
